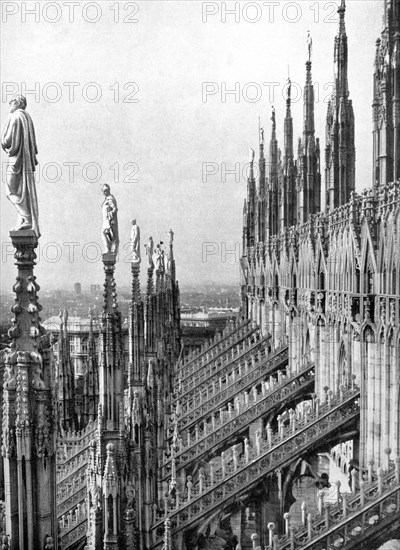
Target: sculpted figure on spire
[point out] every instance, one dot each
(159, 258)
(19, 142)
(110, 221)
(135, 242)
(289, 88)
(150, 251)
(309, 46)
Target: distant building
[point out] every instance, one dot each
(77, 331)
(199, 326)
(78, 288)
(94, 290)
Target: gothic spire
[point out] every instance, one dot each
(340, 148)
(273, 149)
(341, 12)
(288, 185)
(341, 55)
(288, 129)
(309, 125)
(272, 205)
(261, 162)
(308, 173)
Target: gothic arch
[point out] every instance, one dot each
(368, 334)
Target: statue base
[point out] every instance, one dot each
(109, 257)
(25, 242)
(24, 236)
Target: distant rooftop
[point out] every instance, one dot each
(209, 313)
(74, 324)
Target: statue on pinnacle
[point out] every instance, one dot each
(159, 258)
(135, 242)
(309, 46)
(110, 221)
(19, 142)
(149, 252)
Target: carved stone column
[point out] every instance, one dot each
(29, 429)
(110, 375)
(129, 529)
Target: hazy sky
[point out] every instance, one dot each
(117, 94)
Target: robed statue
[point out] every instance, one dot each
(159, 258)
(135, 242)
(150, 251)
(19, 142)
(110, 221)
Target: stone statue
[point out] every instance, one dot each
(289, 89)
(309, 46)
(162, 261)
(252, 154)
(110, 221)
(150, 251)
(130, 495)
(19, 142)
(135, 242)
(159, 258)
(171, 237)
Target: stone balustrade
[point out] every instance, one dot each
(218, 427)
(215, 363)
(72, 461)
(71, 443)
(74, 517)
(245, 376)
(71, 484)
(72, 500)
(373, 505)
(77, 533)
(220, 339)
(186, 506)
(64, 471)
(200, 386)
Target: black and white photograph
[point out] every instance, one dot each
(200, 275)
